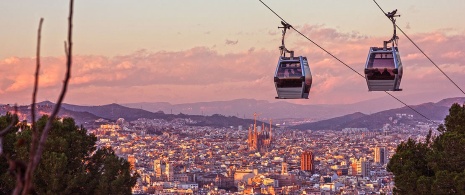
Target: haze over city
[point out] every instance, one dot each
(181, 52)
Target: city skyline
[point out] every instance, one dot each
(181, 52)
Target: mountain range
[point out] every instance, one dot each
(226, 113)
(421, 113)
(116, 111)
(87, 115)
(244, 108)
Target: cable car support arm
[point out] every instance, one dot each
(394, 38)
(283, 48)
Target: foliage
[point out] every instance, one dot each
(71, 163)
(436, 166)
(6, 181)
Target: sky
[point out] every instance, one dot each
(181, 51)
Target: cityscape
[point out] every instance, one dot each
(177, 158)
(235, 97)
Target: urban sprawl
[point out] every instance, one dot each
(178, 157)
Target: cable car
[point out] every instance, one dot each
(383, 68)
(292, 77)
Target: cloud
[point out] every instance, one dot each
(203, 74)
(230, 42)
(273, 32)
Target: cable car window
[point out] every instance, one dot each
(383, 60)
(289, 70)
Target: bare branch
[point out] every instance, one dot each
(66, 49)
(34, 162)
(36, 81)
(34, 93)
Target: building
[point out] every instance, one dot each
(159, 166)
(242, 175)
(360, 167)
(259, 138)
(169, 172)
(381, 155)
(132, 161)
(306, 162)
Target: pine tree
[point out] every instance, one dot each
(71, 163)
(436, 166)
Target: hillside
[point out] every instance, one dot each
(279, 109)
(115, 111)
(333, 123)
(434, 111)
(45, 108)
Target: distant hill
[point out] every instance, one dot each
(216, 113)
(334, 123)
(115, 111)
(280, 109)
(45, 108)
(244, 108)
(434, 111)
(87, 115)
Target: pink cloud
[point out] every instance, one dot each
(203, 74)
(231, 42)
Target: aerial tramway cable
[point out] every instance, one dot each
(329, 53)
(421, 51)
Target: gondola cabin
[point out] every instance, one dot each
(383, 69)
(293, 78)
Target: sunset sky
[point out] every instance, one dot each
(182, 51)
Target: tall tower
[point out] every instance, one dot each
(270, 129)
(250, 139)
(306, 162)
(259, 137)
(381, 155)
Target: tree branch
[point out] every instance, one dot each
(66, 49)
(34, 162)
(34, 93)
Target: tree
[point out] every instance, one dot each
(71, 163)
(436, 166)
(7, 147)
(408, 164)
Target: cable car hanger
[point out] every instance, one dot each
(283, 48)
(394, 38)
